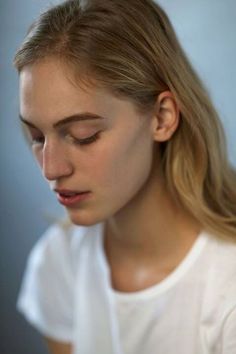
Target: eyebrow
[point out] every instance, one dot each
(67, 120)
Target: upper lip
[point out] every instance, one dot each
(67, 191)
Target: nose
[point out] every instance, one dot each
(55, 162)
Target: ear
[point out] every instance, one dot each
(165, 120)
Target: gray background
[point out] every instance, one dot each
(206, 29)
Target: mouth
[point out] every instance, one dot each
(71, 198)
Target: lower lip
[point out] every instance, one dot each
(73, 200)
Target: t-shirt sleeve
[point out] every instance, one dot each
(47, 292)
(229, 334)
(229, 316)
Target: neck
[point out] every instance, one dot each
(150, 227)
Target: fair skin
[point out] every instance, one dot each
(146, 233)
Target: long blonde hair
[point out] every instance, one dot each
(131, 48)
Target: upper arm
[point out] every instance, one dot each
(56, 347)
(47, 292)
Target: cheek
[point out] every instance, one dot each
(124, 165)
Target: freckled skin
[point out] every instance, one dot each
(115, 168)
(146, 234)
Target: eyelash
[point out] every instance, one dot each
(85, 141)
(37, 140)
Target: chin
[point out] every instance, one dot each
(82, 218)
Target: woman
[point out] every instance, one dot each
(127, 138)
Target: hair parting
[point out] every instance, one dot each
(131, 49)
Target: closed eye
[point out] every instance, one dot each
(86, 141)
(34, 136)
(37, 140)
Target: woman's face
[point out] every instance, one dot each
(85, 141)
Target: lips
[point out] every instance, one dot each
(71, 198)
(68, 192)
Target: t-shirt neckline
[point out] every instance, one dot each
(168, 282)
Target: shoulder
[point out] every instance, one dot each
(222, 258)
(220, 262)
(224, 277)
(225, 273)
(46, 296)
(58, 245)
(216, 294)
(219, 274)
(58, 236)
(57, 254)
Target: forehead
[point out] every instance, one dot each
(47, 90)
(47, 84)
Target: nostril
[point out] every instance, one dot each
(56, 162)
(57, 169)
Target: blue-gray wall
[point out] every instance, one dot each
(207, 30)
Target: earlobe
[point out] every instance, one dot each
(166, 118)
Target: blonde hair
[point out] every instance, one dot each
(131, 48)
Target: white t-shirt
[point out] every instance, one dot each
(67, 295)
